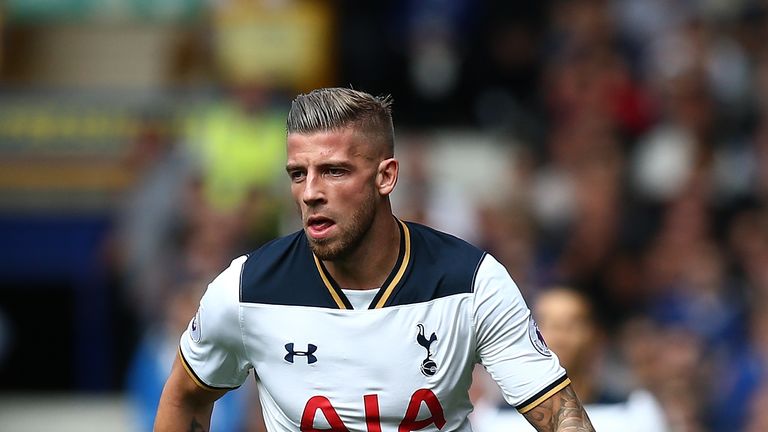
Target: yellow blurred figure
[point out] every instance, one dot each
(238, 151)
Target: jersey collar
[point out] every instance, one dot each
(392, 281)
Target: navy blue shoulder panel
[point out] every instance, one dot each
(283, 272)
(440, 265)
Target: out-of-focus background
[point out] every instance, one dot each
(616, 147)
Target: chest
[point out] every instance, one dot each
(390, 363)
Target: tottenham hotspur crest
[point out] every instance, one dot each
(428, 366)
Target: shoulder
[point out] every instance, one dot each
(217, 315)
(442, 261)
(273, 253)
(494, 283)
(223, 290)
(441, 245)
(283, 272)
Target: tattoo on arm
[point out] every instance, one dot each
(562, 412)
(195, 426)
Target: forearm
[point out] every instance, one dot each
(184, 407)
(562, 412)
(182, 416)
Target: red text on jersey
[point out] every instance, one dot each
(372, 416)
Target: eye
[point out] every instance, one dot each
(336, 172)
(296, 175)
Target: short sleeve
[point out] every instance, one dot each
(211, 348)
(509, 344)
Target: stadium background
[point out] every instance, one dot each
(616, 146)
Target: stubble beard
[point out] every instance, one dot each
(349, 240)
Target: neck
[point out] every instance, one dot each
(369, 265)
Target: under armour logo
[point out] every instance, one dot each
(309, 353)
(428, 366)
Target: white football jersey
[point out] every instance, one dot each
(402, 364)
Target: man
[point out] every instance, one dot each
(567, 319)
(361, 321)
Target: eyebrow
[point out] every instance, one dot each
(341, 164)
(291, 167)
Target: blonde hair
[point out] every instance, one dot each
(329, 109)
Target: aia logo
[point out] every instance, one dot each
(428, 366)
(309, 353)
(413, 420)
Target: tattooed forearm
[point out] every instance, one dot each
(562, 412)
(195, 426)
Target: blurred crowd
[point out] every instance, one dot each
(627, 158)
(634, 137)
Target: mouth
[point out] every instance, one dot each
(319, 227)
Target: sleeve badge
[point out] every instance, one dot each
(194, 328)
(537, 339)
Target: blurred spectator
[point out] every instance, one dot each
(757, 417)
(237, 143)
(568, 323)
(668, 362)
(152, 217)
(508, 231)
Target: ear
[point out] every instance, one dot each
(386, 177)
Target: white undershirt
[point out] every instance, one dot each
(360, 299)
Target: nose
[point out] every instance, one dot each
(313, 193)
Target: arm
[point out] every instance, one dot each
(562, 412)
(514, 353)
(184, 406)
(211, 358)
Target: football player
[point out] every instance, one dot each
(362, 321)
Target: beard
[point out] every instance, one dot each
(329, 249)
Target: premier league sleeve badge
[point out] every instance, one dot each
(194, 328)
(537, 339)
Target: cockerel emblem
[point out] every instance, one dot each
(428, 366)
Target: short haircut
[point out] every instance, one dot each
(331, 109)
